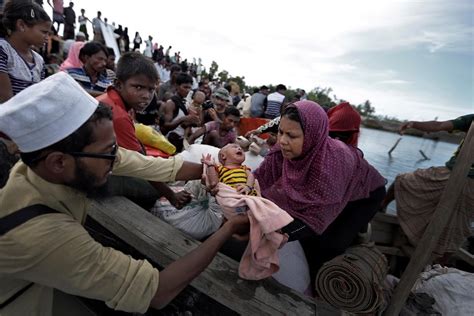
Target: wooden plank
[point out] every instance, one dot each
(386, 218)
(464, 255)
(382, 232)
(443, 212)
(394, 251)
(164, 244)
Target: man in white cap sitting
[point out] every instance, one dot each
(68, 149)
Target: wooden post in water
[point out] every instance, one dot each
(423, 154)
(443, 212)
(394, 146)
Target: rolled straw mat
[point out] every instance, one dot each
(354, 280)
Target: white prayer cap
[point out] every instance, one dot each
(46, 112)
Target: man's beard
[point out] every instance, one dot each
(85, 181)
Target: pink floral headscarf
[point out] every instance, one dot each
(316, 186)
(72, 60)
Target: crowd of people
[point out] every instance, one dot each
(72, 123)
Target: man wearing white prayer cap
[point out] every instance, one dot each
(68, 149)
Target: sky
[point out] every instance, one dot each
(412, 59)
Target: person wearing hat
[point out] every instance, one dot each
(80, 38)
(220, 100)
(68, 150)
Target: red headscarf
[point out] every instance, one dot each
(316, 186)
(344, 118)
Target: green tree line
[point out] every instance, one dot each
(320, 95)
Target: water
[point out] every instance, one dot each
(406, 157)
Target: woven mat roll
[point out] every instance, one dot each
(354, 280)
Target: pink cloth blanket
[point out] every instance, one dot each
(260, 259)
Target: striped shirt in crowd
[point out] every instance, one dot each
(274, 103)
(80, 75)
(21, 73)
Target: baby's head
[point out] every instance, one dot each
(231, 154)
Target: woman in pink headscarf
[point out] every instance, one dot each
(72, 60)
(327, 186)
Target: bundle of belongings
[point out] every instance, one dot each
(438, 291)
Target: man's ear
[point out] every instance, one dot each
(56, 162)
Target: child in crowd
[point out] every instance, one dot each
(219, 134)
(133, 90)
(24, 25)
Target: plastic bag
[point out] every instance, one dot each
(148, 136)
(199, 219)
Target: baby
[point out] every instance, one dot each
(231, 170)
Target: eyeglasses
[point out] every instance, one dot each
(111, 156)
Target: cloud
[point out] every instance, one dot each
(395, 82)
(307, 44)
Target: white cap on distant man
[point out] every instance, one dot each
(46, 112)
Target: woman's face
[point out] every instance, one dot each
(37, 35)
(290, 138)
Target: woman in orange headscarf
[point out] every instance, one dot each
(344, 123)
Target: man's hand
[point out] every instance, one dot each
(239, 225)
(213, 114)
(180, 199)
(190, 120)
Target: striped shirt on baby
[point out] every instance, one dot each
(21, 73)
(234, 176)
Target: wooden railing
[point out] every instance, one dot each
(163, 244)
